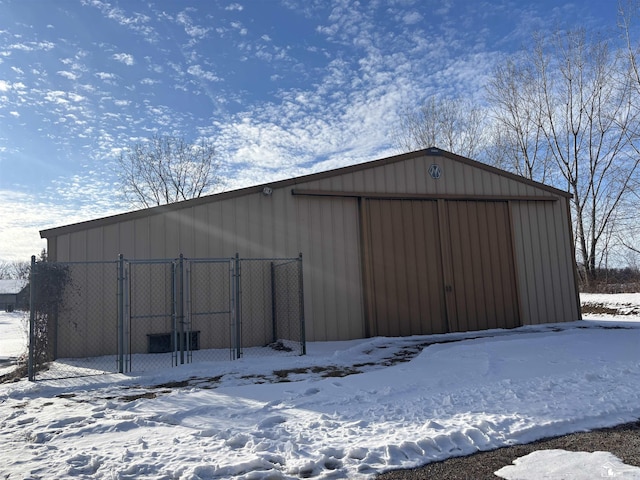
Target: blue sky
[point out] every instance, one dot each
(283, 88)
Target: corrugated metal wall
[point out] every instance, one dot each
(406, 288)
(327, 231)
(483, 293)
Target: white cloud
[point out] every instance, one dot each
(4, 86)
(234, 6)
(69, 75)
(412, 18)
(74, 97)
(56, 96)
(32, 46)
(238, 26)
(125, 58)
(105, 76)
(136, 22)
(197, 71)
(194, 31)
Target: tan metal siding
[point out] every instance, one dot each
(545, 267)
(111, 243)
(329, 240)
(412, 176)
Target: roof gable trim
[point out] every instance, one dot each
(434, 151)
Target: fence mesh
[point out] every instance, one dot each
(150, 315)
(270, 307)
(209, 312)
(74, 319)
(130, 316)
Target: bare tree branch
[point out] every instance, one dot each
(168, 169)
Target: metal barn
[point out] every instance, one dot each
(420, 243)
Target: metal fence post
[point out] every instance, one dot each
(32, 319)
(238, 339)
(274, 311)
(303, 341)
(180, 305)
(120, 313)
(174, 315)
(187, 311)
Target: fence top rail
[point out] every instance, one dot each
(87, 262)
(275, 259)
(172, 260)
(151, 260)
(214, 259)
(210, 260)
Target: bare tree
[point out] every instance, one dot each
(167, 169)
(583, 116)
(628, 13)
(519, 136)
(14, 270)
(452, 124)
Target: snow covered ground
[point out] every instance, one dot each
(13, 339)
(345, 410)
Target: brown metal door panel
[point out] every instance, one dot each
(489, 256)
(406, 268)
(483, 271)
(511, 311)
(402, 235)
(382, 275)
(409, 213)
(427, 261)
(463, 293)
(428, 264)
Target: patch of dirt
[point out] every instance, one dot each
(15, 375)
(622, 440)
(601, 309)
(138, 396)
(66, 395)
(180, 384)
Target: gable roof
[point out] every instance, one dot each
(11, 286)
(434, 151)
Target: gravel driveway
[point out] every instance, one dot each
(623, 441)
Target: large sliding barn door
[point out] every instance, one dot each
(438, 266)
(406, 268)
(481, 288)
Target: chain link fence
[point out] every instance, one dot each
(64, 296)
(122, 316)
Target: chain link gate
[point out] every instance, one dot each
(163, 313)
(210, 309)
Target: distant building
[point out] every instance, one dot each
(13, 294)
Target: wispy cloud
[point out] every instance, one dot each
(31, 46)
(137, 22)
(125, 58)
(69, 75)
(194, 31)
(106, 76)
(198, 71)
